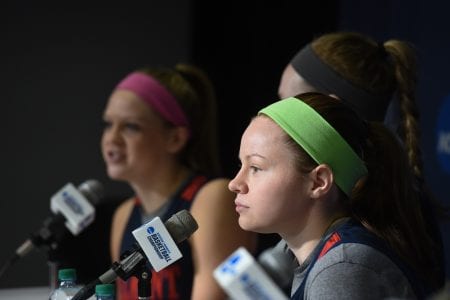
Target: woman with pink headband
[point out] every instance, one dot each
(160, 138)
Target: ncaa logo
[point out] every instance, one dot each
(150, 229)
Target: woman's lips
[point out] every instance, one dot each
(240, 207)
(114, 156)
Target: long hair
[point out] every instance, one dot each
(386, 201)
(195, 93)
(379, 68)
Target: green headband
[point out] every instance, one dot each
(319, 139)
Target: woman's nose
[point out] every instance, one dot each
(112, 135)
(237, 185)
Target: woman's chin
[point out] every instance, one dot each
(248, 226)
(115, 174)
(255, 227)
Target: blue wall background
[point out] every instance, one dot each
(425, 24)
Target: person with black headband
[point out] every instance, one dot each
(326, 80)
(378, 81)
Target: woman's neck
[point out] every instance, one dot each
(304, 243)
(156, 192)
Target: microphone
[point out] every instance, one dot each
(278, 264)
(243, 278)
(156, 243)
(70, 206)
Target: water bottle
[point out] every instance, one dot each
(105, 291)
(67, 287)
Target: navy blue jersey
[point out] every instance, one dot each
(174, 281)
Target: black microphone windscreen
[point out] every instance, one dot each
(93, 190)
(278, 263)
(181, 225)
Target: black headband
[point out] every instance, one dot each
(326, 80)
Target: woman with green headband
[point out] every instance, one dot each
(339, 191)
(378, 80)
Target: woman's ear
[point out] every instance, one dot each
(322, 179)
(178, 138)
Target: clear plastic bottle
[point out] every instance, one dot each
(105, 291)
(67, 287)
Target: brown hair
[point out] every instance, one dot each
(386, 201)
(384, 68)
(195, 93)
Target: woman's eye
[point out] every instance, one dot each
(254, 169)
(106, 124)
(132, 126)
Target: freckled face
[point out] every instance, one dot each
(271, 195)
(134, 139)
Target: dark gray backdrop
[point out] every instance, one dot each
(59, 65)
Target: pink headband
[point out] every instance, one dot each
(156, 95)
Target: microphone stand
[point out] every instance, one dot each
(131, 264)
(144, 277)
(47, 236)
